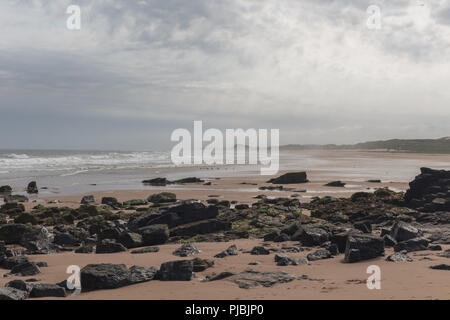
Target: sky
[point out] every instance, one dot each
(137, 70)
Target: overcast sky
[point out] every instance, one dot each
(139, 69)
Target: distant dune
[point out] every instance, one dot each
(441, 145)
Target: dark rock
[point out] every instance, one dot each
(130, 239)
(26, 269)
(5, 189)
(12, 294)
(145, 250)
(416, 244)
(187, 249)
(110, 201)
(290, 178)
(11, 262)
(319, 255)
(156, 182)
(402, 231)
(230, 251)
(435, 248)
(142, 274)
(188, 180)
(88, 199)
(363, 247)
(241, 206)
(201, 227)
(154, 234)
(109, 246)
(85, 249)
(65, 239)
(441, 267)
(19, 285)
(335, 184)
(201, 265)
(47, 290)
(32, 187)
(311, 236)
(104, 276)
(282, 259)
(364, 227)
(331, 247)
(181, 270)
(163, 197)
(220, 276)
(135, 202)
(389, 241)
(13, 233)
(272, 235)
(259, 250)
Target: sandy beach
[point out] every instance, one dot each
(331, 278)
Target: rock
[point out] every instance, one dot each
(441, 267)
(130, 239)
(181, 270)
(156, 182)
(15, 198)
(363, 247)
(361, 196)
(299, 261)
(399, 257)
(335, 184)
(201, 265)
(85, 249)
(435, 248)
(154, 234)
(26, 269)
(416, 244)
(402, 231)
(254, 263)
(230, 251)
(5, 189)
(135, 202)
(145, 250)
(364, 227)
(311, 236)
(88, 199)
(440, 237)
(241, 206)
(19, 285)
(188, 180)
(282, 259)
(331, 247)
(12, 208)
(220, 276)
(163, 197)
(259, 250)
(32, 187)
(11, 262)
(201, 227)
(250, 278)
(109, 246)
(142, 274)
(187, 249)
(37, 240)
(47, 290)
(290, 178)
(319, 255)
(389, 241)
(104, 276)
(283, 237)
(65, 239)
(110, 201)
(12, 294)
(272, 235)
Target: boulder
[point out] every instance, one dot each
(5, 189)
(142, 274)
(32, 187)
(85, 249)
(415, 244)
(130, 239)
(110, 201)
(230, 251)
(201, 227)
(389, 241)
(181, 270)
(290, 178)
(259, 250)
(109, 246)
(364, 227)
(311, 236)
(104, 276)
(335, 184)
(441, 267)
(88, 200)
(399, 257)
(402, 231)
(363, 247)
(154, 234)
(187, 249)
(145, 250)
(319, 255)
(201, 265)
(156, 182)
(11, 262)
(47, 290)
(251, 279)
(12, 294)
(26, 269)
(163, 197)
(65, 239)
